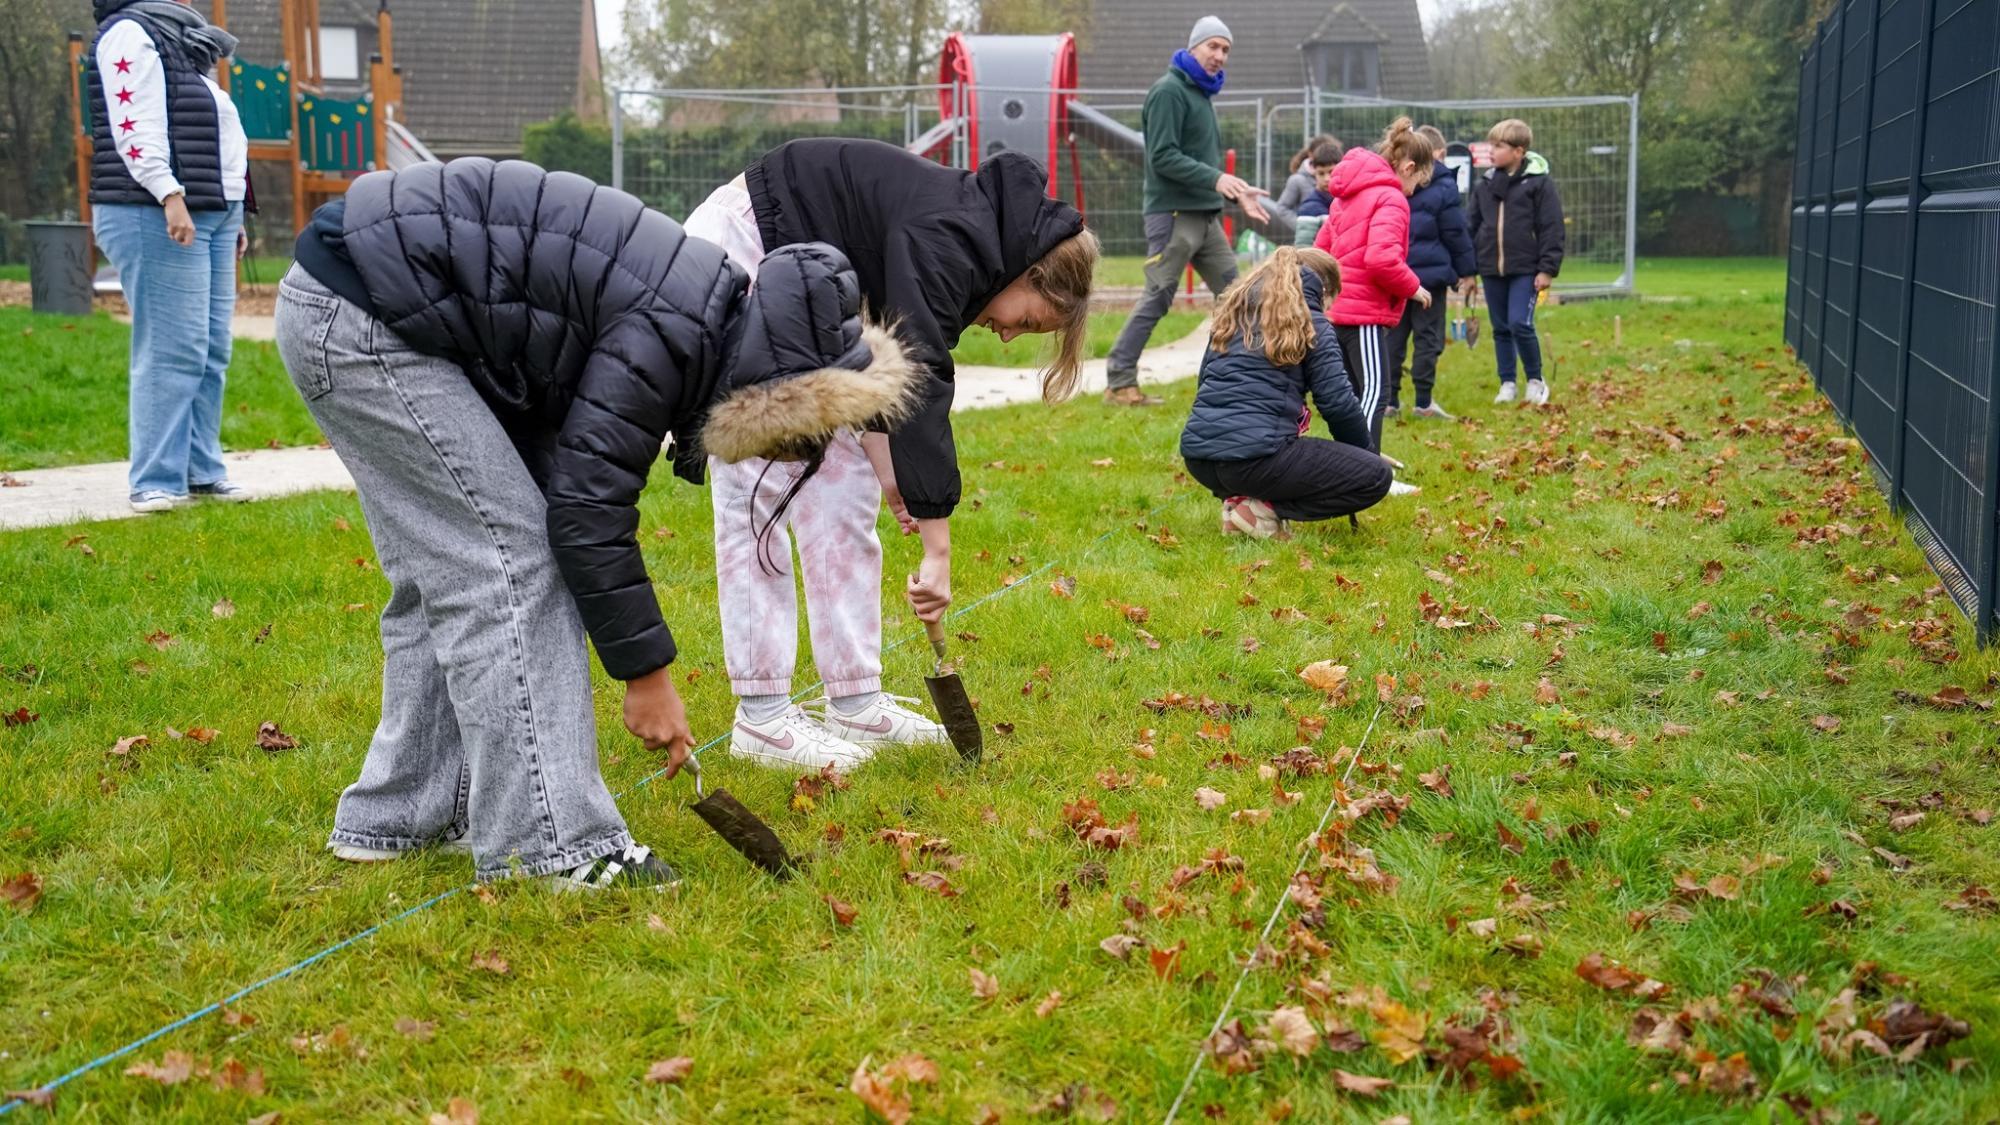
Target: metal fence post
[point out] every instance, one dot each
(1860, 205)
(1630, 277)
(618, 138)
(1906, 315)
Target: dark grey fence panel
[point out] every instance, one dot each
(1893, 282)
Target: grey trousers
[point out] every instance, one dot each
(487, 728)
(1174, 240)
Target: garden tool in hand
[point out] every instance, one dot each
(954, 709)
(741, 829)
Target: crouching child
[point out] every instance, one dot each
(1246, 439)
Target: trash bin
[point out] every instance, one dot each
(59, 267)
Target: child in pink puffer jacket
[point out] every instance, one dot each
(1368, 232)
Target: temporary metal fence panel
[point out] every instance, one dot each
(1893, 278)
(1591, 145)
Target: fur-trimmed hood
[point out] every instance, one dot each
(801, 364)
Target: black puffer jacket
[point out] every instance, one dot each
(594, 326)
(1516, 221)
(931, 246)
(1247, 407)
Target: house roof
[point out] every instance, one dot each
(1130, 41)
(475, 72)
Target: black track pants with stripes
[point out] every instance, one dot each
(1365, 350)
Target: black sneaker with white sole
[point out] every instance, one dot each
(634, 865)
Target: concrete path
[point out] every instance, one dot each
(44, 497)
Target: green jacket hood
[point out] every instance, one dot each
(1534, 164)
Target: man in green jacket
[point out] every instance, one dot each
(1185, 190)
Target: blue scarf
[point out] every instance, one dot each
(1209, 85)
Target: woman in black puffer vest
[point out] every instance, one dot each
(498, 354)
(168, 182)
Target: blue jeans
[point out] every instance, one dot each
(1510, 302)
(182, 298)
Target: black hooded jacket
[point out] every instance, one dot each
(593, 326)
(931, 246)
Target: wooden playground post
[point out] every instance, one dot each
(79, 139)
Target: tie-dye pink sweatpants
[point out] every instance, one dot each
(832, 519)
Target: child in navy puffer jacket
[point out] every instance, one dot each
(1441, 255)
(1244, 440)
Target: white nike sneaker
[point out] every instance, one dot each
(884, 722)
(792, 741)
(1506, 393)
(1538, 393)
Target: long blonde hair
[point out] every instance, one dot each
(1266, 308)
(1063, 277)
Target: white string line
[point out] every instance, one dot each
(1284, 896)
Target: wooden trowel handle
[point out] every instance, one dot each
(935, 631)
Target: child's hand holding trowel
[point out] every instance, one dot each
(656, 716)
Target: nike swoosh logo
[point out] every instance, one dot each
(781, 744)
(879, 726)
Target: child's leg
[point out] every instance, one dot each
(1496, 290)
(1521, 296)
(1311, 479)
(1399, 349)
(754, 585)
(457, 518)
(1427, 328)
(842, 559)
(1365, 348)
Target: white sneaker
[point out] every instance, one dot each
(792, 740)
(1538, 393)
(1403, 488)
(158, 500)
(886, 722)
(1506, 393)
(1434, 410)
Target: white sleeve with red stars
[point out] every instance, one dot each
(135, 99)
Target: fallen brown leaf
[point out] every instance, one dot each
(491, 961)
(272, 740)
(1361, 1084)
(174, 1068)
(933, 881)
(1049, 1004)
(22, 891)
(984, 985)
(670, 1072)
(420, 1030)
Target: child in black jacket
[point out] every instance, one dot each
(1516, 218)
(1245, 440)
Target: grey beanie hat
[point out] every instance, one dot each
(1208, 27)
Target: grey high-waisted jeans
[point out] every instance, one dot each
(487, 729)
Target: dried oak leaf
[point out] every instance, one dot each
(984, 985)
(844, 914)
(670, 1072)
(420, 1030)
(934, 881)
(879, 1094)
(174, 1068)
(1231, 1049)
(22, 891)
(272, 740)
(1210, 799)
(1293, 1030)
(1361, 1084)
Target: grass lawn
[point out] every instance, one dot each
(1663, 683)
(64, 381)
